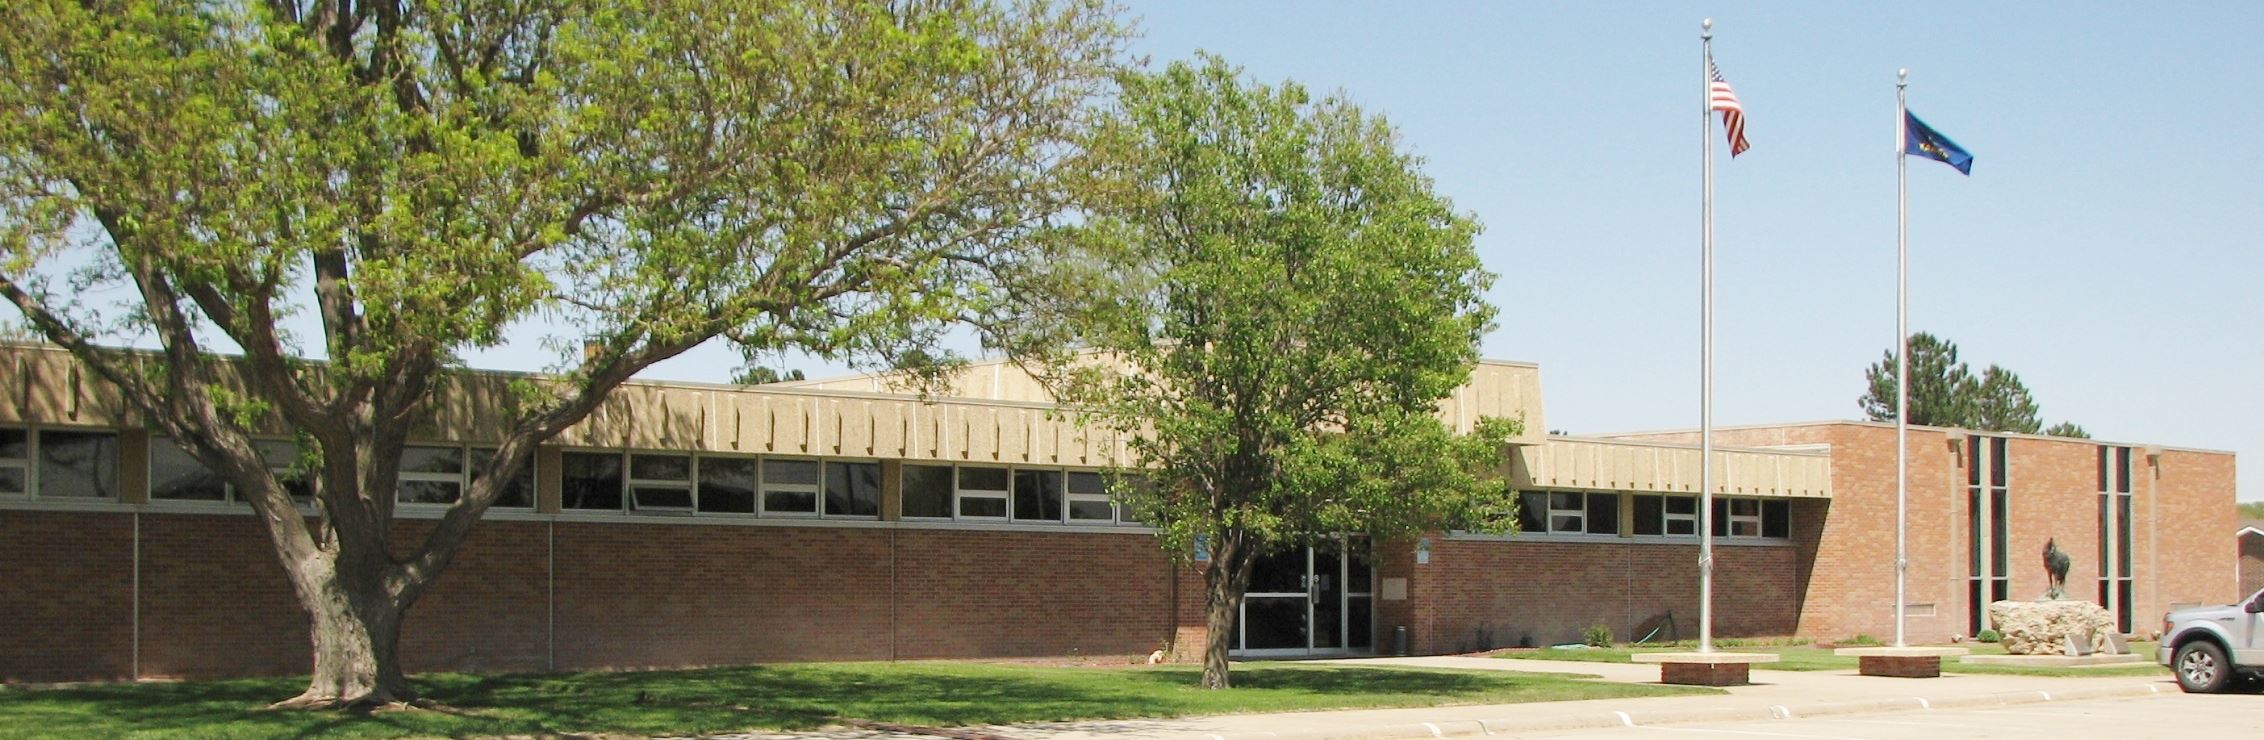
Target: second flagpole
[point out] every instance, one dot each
(1706, 347)
(1902, 348)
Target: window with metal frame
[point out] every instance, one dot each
(1125, 487)
(660, 483)
(1744, 517)
(431, 475)
(1666, 516)
(852, 489)
(75, 464)
(1037, 495)
(982, 493)
(728, 485)
(927, 491)
(518, 492)
(1987, 501)
(790, 487)
(1568, 512)
(1088, 498)
(2115, 496)
(15, 462)
(175, 475)
(590, 481)
(1751, 518)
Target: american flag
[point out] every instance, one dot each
(1720, 97)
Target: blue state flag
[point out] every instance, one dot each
(1924, 141)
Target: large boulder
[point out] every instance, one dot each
(2044, 627)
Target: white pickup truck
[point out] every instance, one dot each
(2211, 646)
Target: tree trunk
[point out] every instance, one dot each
(356, 634)
(1224, 582)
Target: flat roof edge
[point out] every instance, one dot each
(1692, 446)
(1923, 427)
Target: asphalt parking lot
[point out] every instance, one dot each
(2168, 715)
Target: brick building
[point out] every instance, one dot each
(688, 524)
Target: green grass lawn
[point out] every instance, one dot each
(1808, 658)
(776, 696)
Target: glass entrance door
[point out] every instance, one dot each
(1306, 602)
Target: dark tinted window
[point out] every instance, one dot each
(1533, 511)
(852, 489)
(589, 481)
(78, 465)
(519, 490)
(1650, 515)
(174, 475)
(927, 491)
(1037, 495)
(727, 485)
(1603, 513)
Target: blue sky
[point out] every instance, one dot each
(2106, 247)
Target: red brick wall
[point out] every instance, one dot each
(215, 602)
(1479, 593)
(2180, 513)
(69, 580)
(486, 612)
(967, 593)
(1851, 589)
(2186, 522)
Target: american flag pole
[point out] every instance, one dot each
(1706, 346)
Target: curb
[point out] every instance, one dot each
(1603, 720)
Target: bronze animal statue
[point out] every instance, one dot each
(2055, 569)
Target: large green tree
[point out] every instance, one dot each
(412, 176)
(1940, 385)
(1944, 392)
(2001, 403)
(1300, 301)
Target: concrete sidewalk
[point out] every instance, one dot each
(1774, 695)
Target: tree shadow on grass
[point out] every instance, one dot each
(199, 709)
(792, 697)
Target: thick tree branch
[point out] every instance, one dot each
(612, 368)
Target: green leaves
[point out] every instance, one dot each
(840, 177)
(1299, 301)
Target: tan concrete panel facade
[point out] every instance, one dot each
(1613, 465)
(1497, 389)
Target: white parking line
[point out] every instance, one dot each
(1851, 720)
(1664, 728)
(2071, 711)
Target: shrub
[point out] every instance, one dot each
(1597, 635)
(1862, 640)
(1988, 636)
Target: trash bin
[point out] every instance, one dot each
(1399, 641)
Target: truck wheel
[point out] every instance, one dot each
(2201, 667)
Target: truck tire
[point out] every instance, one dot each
(2201, 667)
